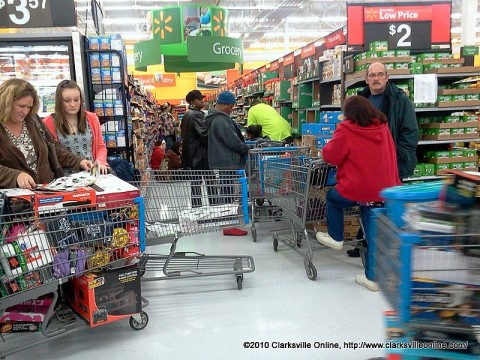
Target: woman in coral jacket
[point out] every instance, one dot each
(362, 148)
(76, 129)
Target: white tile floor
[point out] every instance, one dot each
(208, 318)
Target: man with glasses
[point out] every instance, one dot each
(402, 121)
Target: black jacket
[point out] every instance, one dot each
(226, 145)
(402, 122)
(194, 140)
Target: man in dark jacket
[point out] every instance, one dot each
(194, 134)
(226, 146)
(400, 112)
(402, 121)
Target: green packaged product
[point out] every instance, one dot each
(469, 118)
(361, 67)
(443, 98)
(443, 55)
(439, 167)
(372, 54)
(389, 66)
(457, 131)
(419, 170)
(472, 97)
(432, 66)
(426, 56)
(456, 65)
(471, 131)
(401, 65)
(379, 46)
(458, 97)
(456, 166)
(424, 120)
(402, 53)
(389, 53)
(429, 169)
(470, 165)
(456, 153)
(416, 68)
(361, 56)
(462, 86)
(451, 119)
(438, 154)
(469, 152)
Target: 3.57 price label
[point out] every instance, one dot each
(37, 13)
(22, 14)
(407, 36)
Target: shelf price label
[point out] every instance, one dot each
(408, 36)
(37, 13)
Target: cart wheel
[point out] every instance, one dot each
(310, 269)
(239, 282)
(135, 325)
(254, 234)
(275, 244)
(299, 239)
(260, 202)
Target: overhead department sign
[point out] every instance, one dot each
(190, 38)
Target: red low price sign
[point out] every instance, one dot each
(409, 26)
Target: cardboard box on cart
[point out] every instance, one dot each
(112, 191)
(108, 296)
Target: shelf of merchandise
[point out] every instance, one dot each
(108, 86)
(144, 125)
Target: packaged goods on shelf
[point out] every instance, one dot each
(379, 46)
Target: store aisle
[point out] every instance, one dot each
(208, 318)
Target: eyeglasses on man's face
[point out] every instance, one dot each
(379, 75)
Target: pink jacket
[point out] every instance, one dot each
(98, 145)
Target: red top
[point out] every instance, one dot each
(157, 156)
(365, 158)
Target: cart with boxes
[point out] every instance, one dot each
(69, 260)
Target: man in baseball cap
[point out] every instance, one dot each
(226, 146)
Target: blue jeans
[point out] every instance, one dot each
(336, 205)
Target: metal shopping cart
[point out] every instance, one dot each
(262, 210)
(180, 203)
(432, 282)
(44, 252)
(298, 184)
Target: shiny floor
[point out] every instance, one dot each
(208, 318)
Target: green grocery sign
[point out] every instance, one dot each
(190, 38)
(214, 49)
(146, 53)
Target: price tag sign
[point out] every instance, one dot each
(409, 36)
(37, 13)
(409, 26)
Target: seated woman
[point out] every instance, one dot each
(158, 153)
(24, 159)
(173, 156)
(253, 132)
(76, 129)
(363, 150)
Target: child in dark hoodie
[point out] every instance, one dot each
(363, 150)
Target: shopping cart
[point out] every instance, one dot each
(180, 203)
(262, 210)
(298, 185)
(43, 252)
(432, 282)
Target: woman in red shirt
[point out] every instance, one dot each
(158, 154)
(363, 150)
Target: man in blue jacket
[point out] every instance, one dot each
(226, 145)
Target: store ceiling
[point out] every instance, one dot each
(271, 27)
